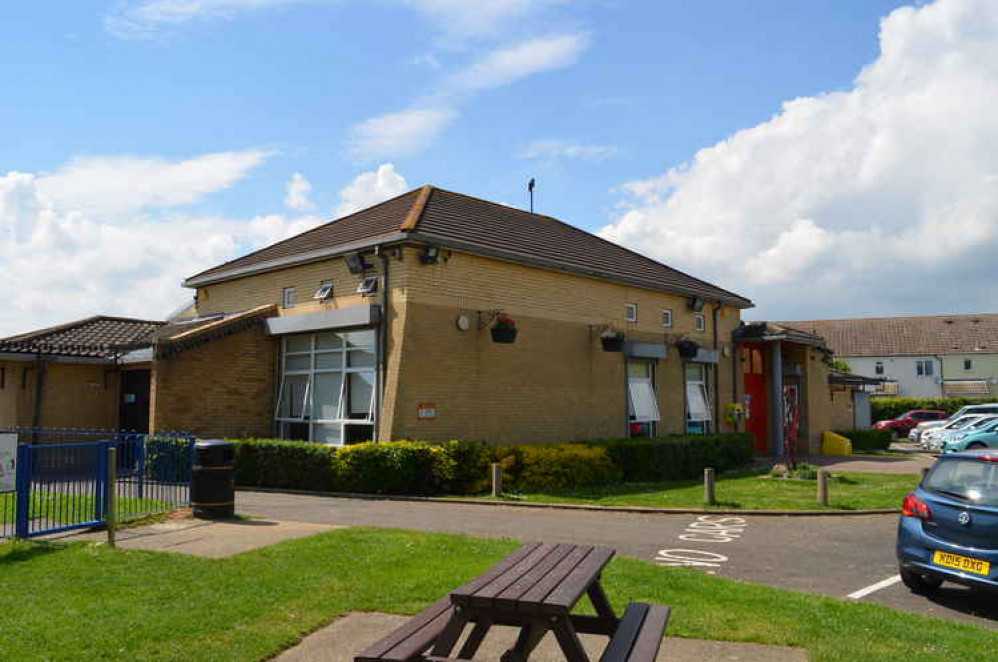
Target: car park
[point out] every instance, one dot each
(983, 434)
(941, 438)
(931, 440)
(948, 530)
(902, 425)
(916, 433)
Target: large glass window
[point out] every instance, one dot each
(328, 386)
(698, 410)
(642, 403)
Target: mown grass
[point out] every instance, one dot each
(60, 508)
(88, 603)
(748, 491)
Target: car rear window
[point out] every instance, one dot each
(974, 481)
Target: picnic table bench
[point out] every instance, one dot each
(534, 589)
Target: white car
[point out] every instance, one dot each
(919, 430)
(934, 439)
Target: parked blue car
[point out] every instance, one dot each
(949, 524)
(985, 436)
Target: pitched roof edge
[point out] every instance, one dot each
(416, 212)
(165, 347)
(68, 325)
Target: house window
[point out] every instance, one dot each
(328, 385)
(631, 312)
(325, 290)
(923, 368)
(667, 318)
(968, 364)
(368, 286)
(878, 368)
(698, 409)
(642, 403)
(700, 323)
(288, 297)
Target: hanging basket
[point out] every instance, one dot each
(614, 344)
(504, 335)
(687, 348)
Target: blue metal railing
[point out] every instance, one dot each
(62, 478)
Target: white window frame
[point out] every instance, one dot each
(641, 395)
(325, 290)
(369, 285)
(699, 389)
(924, 368)
(343, 416)
(288, 297)
(700, 322)
(631, 312)
(667, 318)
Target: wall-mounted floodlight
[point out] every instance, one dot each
(430, 254)
(356, 263)
(697, 304)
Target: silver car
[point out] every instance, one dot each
(919, 430)
(933, 440)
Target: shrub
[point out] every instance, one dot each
(867, 440)
(168, 459)
(557, 467)
(677, 457)
(286, 464)
(471, 467)
(887, 408)
(398, 467)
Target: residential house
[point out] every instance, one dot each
(932, 356)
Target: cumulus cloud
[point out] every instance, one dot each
(65, 254)
(879, 199)
(297, 192)
(416, 128)
(370, 188)
(550, 151)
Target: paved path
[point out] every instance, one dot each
(873, 464)
(339, 641)
(834, 556)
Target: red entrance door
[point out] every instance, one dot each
(756, 400)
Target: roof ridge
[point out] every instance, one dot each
(596, 236)
(412, 219)
(894, 317)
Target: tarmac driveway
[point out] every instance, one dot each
(835, 556)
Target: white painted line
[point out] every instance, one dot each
(873, 588)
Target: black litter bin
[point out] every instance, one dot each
(213, 485)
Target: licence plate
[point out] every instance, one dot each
(976, 566)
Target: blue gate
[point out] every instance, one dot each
(62, 479)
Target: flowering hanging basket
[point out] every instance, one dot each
(504, 330)
(687, 348)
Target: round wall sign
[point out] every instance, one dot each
(463, 323)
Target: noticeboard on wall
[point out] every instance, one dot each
(8, 462)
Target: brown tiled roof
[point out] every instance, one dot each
(178, 337)
(94, 337)
(764, 331)
(908, 336)
(466, 223)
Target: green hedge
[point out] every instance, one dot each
(867, 440)
(677, 457)
(168, 459)
(887, 408)
(462, 467)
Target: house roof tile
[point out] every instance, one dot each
(94, 337)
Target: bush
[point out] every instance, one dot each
(883, 409)
(556, 467)
(398, 467)
(677, 457)
(867, 440)
(168, 459)
(279, 463)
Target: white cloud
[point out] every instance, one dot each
(880, 199)
(65, 256)
(414, 129)
(144, 19)
(297, 192)
(400, 133)
(550, 151)
(115, 184)
(370, 188)
(463, 18)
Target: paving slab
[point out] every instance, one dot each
(873, 464)
(211, 539)
(344, 638)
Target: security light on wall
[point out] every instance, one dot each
(430, 254)
(697, 304)
(356, 263)
(368, 286)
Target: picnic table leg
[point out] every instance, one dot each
(452, 632)
(569, 641)
(530, 635)
(475, 638)
(603, 607)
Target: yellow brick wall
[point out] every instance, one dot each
(223, 388)
(11, 393)
(80, 395)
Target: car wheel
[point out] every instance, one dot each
(918, 583)
(975, 446)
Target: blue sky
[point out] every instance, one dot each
(159, 120)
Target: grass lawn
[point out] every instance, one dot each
(88, 603)
(60, 508)
(750, 491)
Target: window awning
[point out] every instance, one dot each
(341, 318)
(966, 388)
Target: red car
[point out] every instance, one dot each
(903, 424)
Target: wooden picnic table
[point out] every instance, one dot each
(535, 590)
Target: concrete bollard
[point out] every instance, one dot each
(708, 487)
(823, 487)
(496, 480)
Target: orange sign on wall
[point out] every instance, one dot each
(426, 412)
